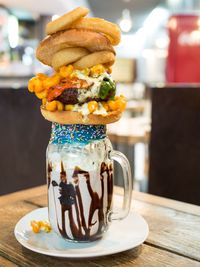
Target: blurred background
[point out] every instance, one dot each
(157, 69)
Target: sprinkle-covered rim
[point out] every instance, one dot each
(76, 133)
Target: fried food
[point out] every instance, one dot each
(102, 57)
(81, 91)
(66, 20)
(92, 41)
(67, 84)
(110, 29)
(67, 56)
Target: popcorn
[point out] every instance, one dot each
(37, 226)
(66, 71)
(97, 70)
(51, 106)
(92, 106)
(42, 84)
(42, 94)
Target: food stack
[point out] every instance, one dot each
(81, 91)
(80, 99)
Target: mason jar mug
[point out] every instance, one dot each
(80, 181)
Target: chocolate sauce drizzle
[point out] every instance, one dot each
(49, 170)
(70, 195)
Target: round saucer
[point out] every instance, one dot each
(122, 235)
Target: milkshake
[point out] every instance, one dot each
(80, 99)
(80, 189)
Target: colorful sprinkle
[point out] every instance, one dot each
(76, 133)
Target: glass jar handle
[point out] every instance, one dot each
(123, 161)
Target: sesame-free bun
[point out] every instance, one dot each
(92, 41)
(74, 117)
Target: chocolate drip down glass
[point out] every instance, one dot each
(80, 181)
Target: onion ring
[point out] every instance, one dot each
(110, 29)
(66, 20)
(102, 57)
(68, 56)
(92, 41)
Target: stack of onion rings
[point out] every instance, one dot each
(63, 22)
(82, 42)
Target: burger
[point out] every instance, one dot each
(81, 89)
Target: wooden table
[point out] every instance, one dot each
(174, 238)
(130, 130)
(135, 107)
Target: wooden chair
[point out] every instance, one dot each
(23, 142)
(175, 143)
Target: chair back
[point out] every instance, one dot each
(175, 143)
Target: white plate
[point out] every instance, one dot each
(121, 236)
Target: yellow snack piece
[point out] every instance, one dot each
(38, 86)
(45, 226)
(66, 71)
(73, 75)
(69, 107)
(35, 85)
(109, 70)
(40, 225)
(35, 227)
(51, 106)
(97, 70)
(44, 101)
(51, 81)
(86, 71)
(31, 85)
(41, 76)
(111, 104)
(120, 97)
(60, 106)
(105, 105)
(92, 106)
(41, 95)
(120, 104)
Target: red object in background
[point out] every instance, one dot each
(183, 62)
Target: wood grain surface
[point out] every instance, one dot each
(173, 240)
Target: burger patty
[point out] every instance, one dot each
(69, 85)
(79, 91)
(71, 96)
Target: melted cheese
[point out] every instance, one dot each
(83, 109)
(101, 110)
(93, 91)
